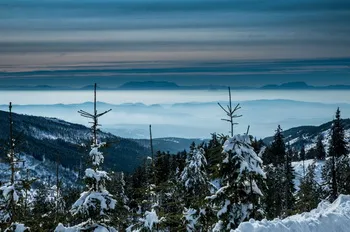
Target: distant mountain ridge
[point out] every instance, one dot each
(304, 86)
(289, 85)
(149, 85)
(165, 85)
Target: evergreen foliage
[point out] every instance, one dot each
(310, 192)
(195, 182)
(93, 208)
(320, 150)
(279, 200)
(241, 172)
(336, 167)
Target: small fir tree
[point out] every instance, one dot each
(279, 200)
(337, 151)
(302, 156)
(241, 173)
(195, 182)
(310, 192)
(93, 208)
(320, 151)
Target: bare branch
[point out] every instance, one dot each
(231, 111)
(223, 108)
(227, 120)
(99, 115)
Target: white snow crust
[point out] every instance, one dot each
(326, 217)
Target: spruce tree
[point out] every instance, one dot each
(117, 188)
(343, 174)
(279, 200)
(289, 187)
(194, 176)
(195, 182)
(310, 191)
(320, 151)
(49, 205)
(213, 154)
(241, 174)
(151, 197)
(278, 148)
(302, 156)
(274, 196)
(44, 209)
(337, 151)
(93, 208)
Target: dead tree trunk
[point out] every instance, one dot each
(230, 112)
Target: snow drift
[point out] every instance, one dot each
(327, 217)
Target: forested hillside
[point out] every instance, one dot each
(49, 137)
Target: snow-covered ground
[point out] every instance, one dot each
(327, 217)
(311, 141)
(299, 170)
(44, 171)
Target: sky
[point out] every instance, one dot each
(241, 42)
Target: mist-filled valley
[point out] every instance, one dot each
(186, 114)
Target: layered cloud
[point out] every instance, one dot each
(40, 34)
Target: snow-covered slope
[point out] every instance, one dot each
(299, 170)
(327, 217)
(307, 135)
(42, 171)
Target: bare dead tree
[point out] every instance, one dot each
(12, 162)
(94, 116)
(151, 141)
(151, 168)
(231, 112)
(12, 147)
(14, 159)
(58, 187)
(26, 190)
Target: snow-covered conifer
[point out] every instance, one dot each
(241, 175)
(195, 182)
(279, 200)
(94, 206)
(121, 214)
(309, 194)
(194, 176)
(338, 160)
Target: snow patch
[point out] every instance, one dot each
(326, 217)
